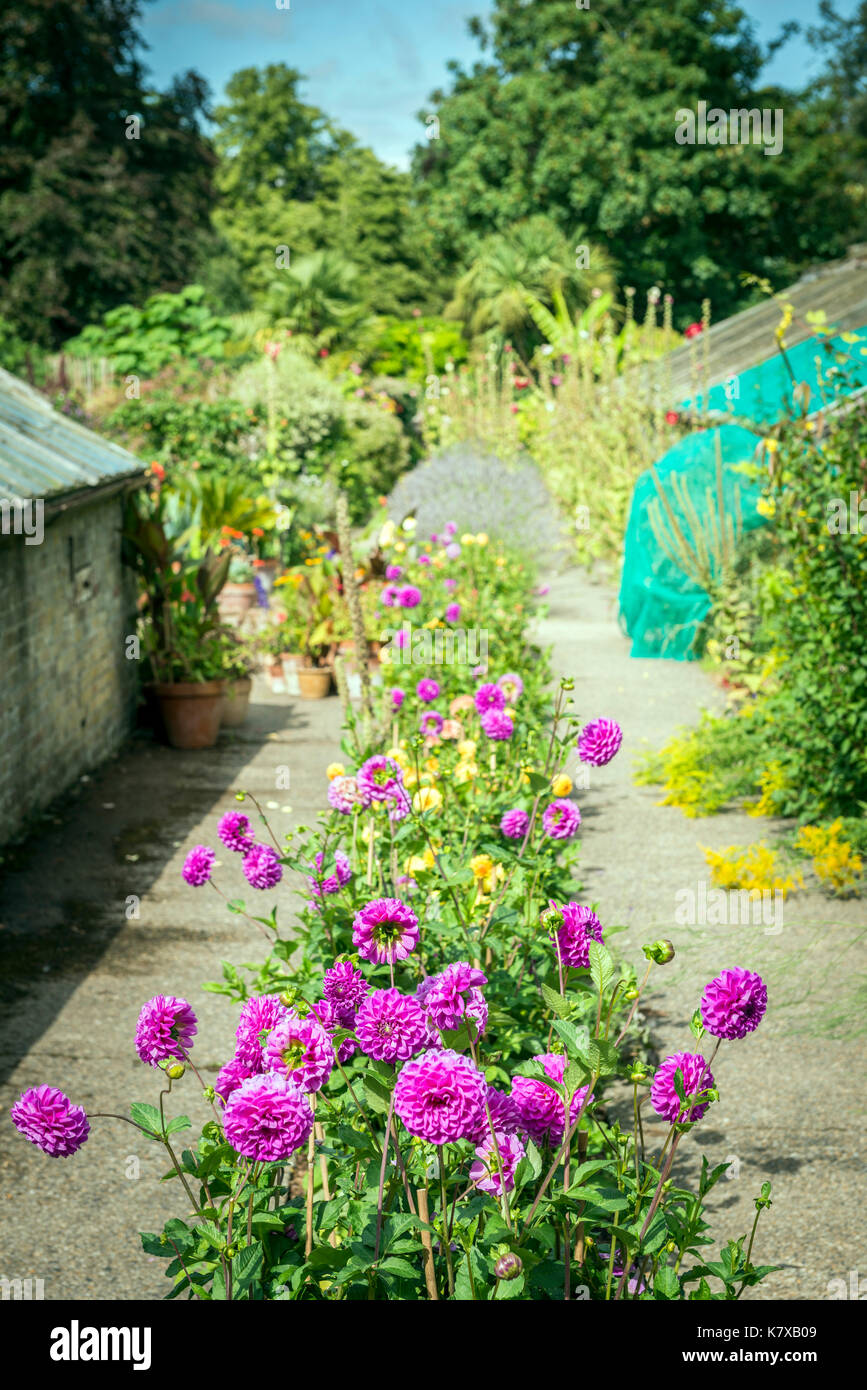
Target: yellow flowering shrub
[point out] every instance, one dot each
(752, 867)
(836, 864)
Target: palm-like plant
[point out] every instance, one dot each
(532, 260)
(316, 298)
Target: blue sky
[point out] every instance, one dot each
(371, 64)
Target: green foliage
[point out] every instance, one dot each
(411, 348)
(166, 328)
(19, 356)
(91, 216)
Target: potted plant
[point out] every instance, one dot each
(239, 662)
(178, 625)
(238, 593)
(316, 630)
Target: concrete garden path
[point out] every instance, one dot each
(792, 1104)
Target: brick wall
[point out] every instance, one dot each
(67, 692)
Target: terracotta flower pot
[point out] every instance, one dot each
(234, 600)
(236, 700)
(314, 682)
(190, 712)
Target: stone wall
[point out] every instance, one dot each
(67, 691)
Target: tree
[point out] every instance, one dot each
(532, 261)
(572, 114)
(104, 182)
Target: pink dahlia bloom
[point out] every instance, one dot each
(541, 1109)
(49, 1120)
(198, 866)
(389, 595)
(504, 1116)
(393, 571)
(258, 1015)
(489, 697)
(390, 1026)
(451, 729)
(230, 1076)
(453, 612)
(599, 741)
(380, 778)
(514, 824)
(267, 1118)
(491, 1158)
(344, 794)
(384, 931)
(440, 1096)
(561, 818)
(397, 697)
(734, 1003)
(512, 687)
(497, 725)
(460, 704)
(410, 597)
(454, 994)
(580, 927)
(427, 690)
(262, 868)
(166, 1028)
(453, 550)
(330, 883)
(696, 1077)
(430, 722)
(345, 986)
(235, 832)
(302, 1049)
(450, 584)
(332, 1017)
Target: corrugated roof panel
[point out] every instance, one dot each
(44, 453)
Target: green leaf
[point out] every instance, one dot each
(602, 1057)
(377, 1092)
(179, 1123)
(601, 965)
(577, 1039)
(213, 1235)
(666, 1284)
(561, 1007)
(147, 1116)
(246, 1266)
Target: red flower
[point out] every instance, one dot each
(323, 352)
(692, 330)
(158, 471)
(671, 417)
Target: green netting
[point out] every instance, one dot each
(677, 532)
(828, 366)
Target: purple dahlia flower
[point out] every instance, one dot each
(599, 741)
(166, 1028)
(450, 584)
(267, 1118)
(506, 1154)
(504, 1116)
(427, 690)
(389, 595)
(489, 697)
(49, 1120)
(385, 930)
(330, 883)
(380, 778)
(345, 986)
(235, 832)
(262, 868)
(561, 818)
(198, 866)
(497, 725)
(393, 571)
(453, 612)
(430, 722)
(390, 1026)
(397, 697)
(450, 996)
(440, 1096)
(410, 597)
(258, 1015)
(302, 1049)
(453, 550)
(541, 1109)
(230, 1076)
(734, 1003)
(514, 824)
(580, 927)
(696, 1077)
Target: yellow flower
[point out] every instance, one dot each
(561, 785)
(467, 539)
(419, 863)
(465, 772)
(481, 865)
(399, 757)
(399, 547)
(772, 445)
(433, 765)
(500, 561)
(482, 538)
(427, 799)
(368, 832)
(467, 748)
(767, 507)
(335, 770)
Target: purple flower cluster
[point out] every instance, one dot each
(440, 1096)
(235, 832)
(330, 883)
(390, 1026)
(262, 868)
(345, 795)
(496, 724)
(599, 741)
(267, 1118)
(542, 1109)
(166, 1028)
(49, 1120)
(514, 824)
(427, 690)
(561, 819)
(489, 697)
(496, 1163)
(453, 995)
(580, 927)
(734, 1003)
(302, 1049)
(384, 931)
(258, 1015)
(663, 1092)
(198, 866)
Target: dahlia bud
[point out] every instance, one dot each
(567, 683)
(209, 1094)
(288, 997)
(240, 796)
(508, 1266)
(175, 1070)
(551, 918)
(631, 994)
(661, 952)
(638, 1072)
(671, 1246)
